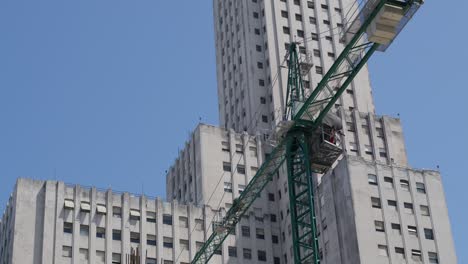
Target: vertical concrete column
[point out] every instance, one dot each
(59, 222)
(159, 229)
(109, 203)
(387, 131)
(76, 225)
(143, 231)
(125, 226)
(373, 137)
(359, 133)
(191, 226)
(175, 229)
(50, 205)
(92, 227)
(268, 239)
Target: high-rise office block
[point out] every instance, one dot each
(359, 213)
(372, 207)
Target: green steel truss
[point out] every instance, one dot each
(295, 91)
(308, 113)
(301, 197)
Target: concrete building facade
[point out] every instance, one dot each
(371, 208)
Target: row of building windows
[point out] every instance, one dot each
(67, 252)
(412, 230)
(404, 184)
(134, 215)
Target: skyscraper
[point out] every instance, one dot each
(372, 207)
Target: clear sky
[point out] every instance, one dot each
(103, 93)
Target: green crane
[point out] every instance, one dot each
(306, 137)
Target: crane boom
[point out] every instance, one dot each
(307, 112)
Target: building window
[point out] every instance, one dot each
(397, 228)
(326, 22)
(241, 169)
(313, 20)
(100, 232)
(116, 235)
(300, 33)
(376, 202)
(183, 222)
(240, 188)
(232, 252)
(416, 255)
(117, 212)
(310, 4)
(134, 237)
(225, 146)
(284, 14)
(67, 252)
(261, 255)
(350, 126)
(264, 119)
(100, 256)
(184, 244)
(372, 179)
(286, 30)
(257, 31)
(245, 231)
(151, 217)
(247, 253)
(400, 252)
(152, 261)
(404, 185)
(167, 219)
(428, 234)
(84, 230)
(318, 70)
(261, 82)
(199, 224)
(167, 242)
(424, 210)
(151, 240)
(353, 147)
(116, 258)
(85, 207)
(412, 231)
(392, 205)
(135, 215)
(316, 53)
(259, 65)
(255, 14)
(260, 233)
(433, 258)
(273, 218)
(409, 208)
(274, 239)
(228, 187)
(271, 197)
(388, 182)
(69, 204)
(315, 36)
(67, 228)
(382, 250)
(226, 166)
(379, 226)
(420, 187)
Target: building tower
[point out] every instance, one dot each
(372, 207)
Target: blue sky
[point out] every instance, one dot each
(103, 93)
